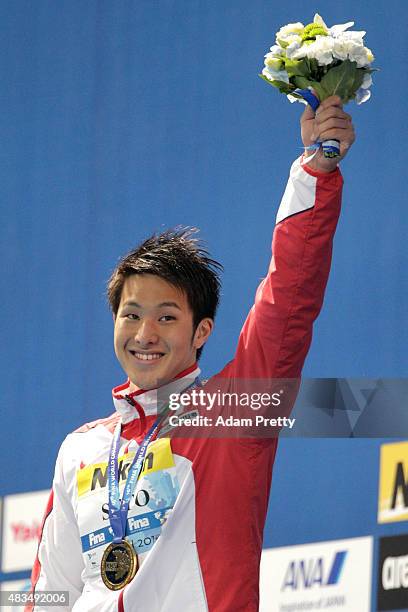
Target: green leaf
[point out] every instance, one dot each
(339, 81)
(297, 67)
(303, 83)
(281, 85)
(313, 69)
(263, 77)
(295, 95)
(282, 43)
(358, 79)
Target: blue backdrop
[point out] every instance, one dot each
(120, 118)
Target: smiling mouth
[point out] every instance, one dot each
(147, 356)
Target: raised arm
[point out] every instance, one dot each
(277, 333)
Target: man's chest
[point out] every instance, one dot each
(151, 502)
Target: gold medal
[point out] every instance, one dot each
(119, 565)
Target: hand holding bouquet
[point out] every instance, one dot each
(311, 63)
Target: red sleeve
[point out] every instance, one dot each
(276, 336)
(233, 477)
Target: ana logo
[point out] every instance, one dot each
(305, 574)
(393, 491)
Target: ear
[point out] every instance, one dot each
(202, 333)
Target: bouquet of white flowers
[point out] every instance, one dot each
(310, 63)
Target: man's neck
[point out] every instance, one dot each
(133, 388)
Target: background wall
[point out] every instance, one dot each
(122, 118)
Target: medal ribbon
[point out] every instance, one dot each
(118, 510)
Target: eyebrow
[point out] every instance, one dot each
(161, 305)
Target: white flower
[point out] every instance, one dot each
(346, 49)
(293, 39)
(352, 50)
(275, 75)
(340, 30)
(319, 21)
(356, 36)
(335, 30)
(273, 62)
(321, 50)
(328, 46)
(340, 49)
(367, 81)
(295, 45)
(296, 52)
(362, 95)
(294, 99)
(276, 50)
(289, 30)
(370, 56)
(358, 54)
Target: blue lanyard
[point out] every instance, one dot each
(118, 510)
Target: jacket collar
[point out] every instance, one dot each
(141, 403)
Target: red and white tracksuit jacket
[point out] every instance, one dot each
(206, 498)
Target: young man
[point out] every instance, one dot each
(190, 538)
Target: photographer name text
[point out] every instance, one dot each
(258, 420)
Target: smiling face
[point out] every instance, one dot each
(153, 337)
